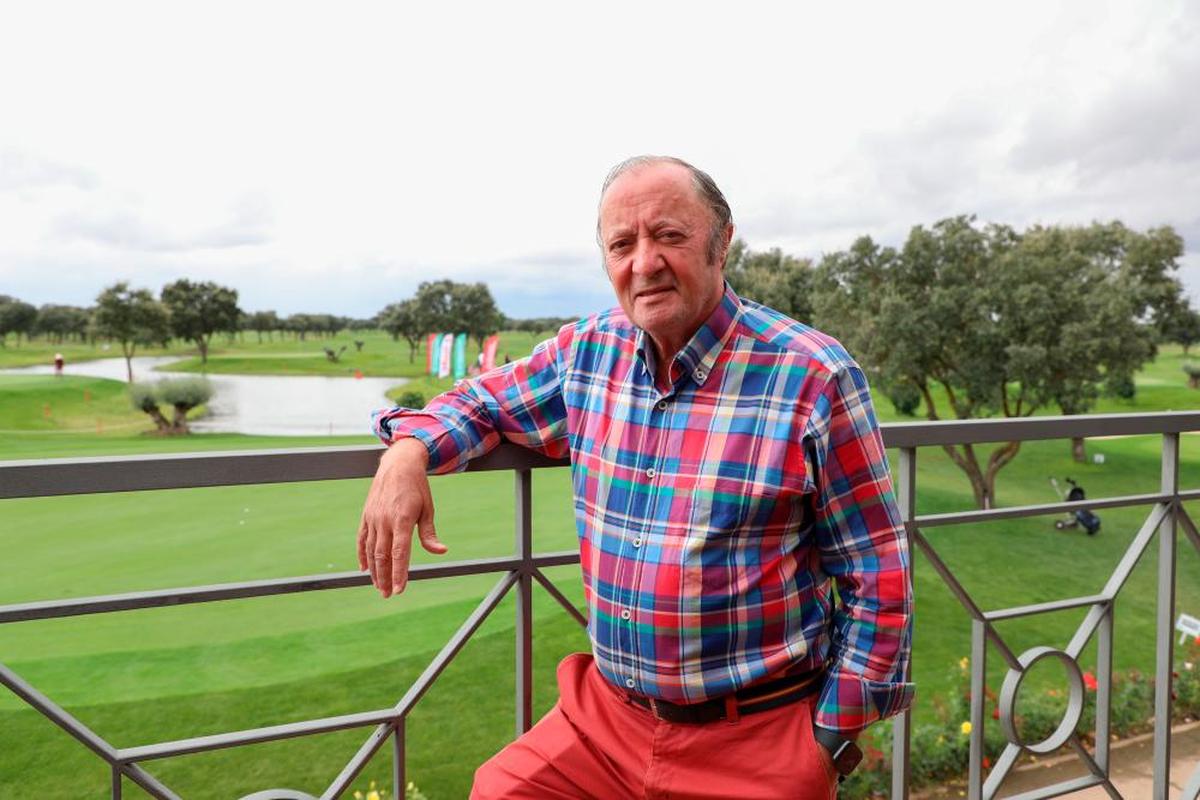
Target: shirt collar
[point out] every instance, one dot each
(697, 357)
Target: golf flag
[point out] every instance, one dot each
(444, 359)
(489, 351)
(460, 356)
(431, 343)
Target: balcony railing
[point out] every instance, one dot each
(519, 572)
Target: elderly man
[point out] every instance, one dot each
(728, 472)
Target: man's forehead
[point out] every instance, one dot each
(664, 187)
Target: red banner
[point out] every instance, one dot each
(430, 358)
(489, 351)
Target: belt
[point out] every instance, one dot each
(751, 700)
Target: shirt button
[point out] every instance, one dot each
(650, 473)
(700, 374)
(662, 405)
(637, 542)
(629, 682)
(624, 613)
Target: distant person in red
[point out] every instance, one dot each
(58, 364)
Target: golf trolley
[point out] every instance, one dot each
(1079, 518)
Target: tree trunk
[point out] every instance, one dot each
(159, 420)
(1078, 451)
(203, 345)
(983, 482)
(179, 418)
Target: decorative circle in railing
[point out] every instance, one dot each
(1012, 686)
(279, 794)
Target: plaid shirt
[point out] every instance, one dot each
(715, 516)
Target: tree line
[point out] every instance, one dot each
(446, 306)
(974, 320)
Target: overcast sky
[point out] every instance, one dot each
(329, 157)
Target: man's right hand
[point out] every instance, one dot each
(399, 499)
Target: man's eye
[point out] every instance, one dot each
(671, 236)
(619, 244)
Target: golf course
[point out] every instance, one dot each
(147, 676)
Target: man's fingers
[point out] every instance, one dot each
(381, 560)
(425, 528)
(429, 539)
(401, 553)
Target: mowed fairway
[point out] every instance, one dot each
(170, 673)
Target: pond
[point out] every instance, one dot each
(270, 405)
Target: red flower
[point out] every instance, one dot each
(996, 712)
(1089, 680)
(987, 763)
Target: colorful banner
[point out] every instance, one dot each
(436, 357)
(431, 345)
(460, 356)
(489, 351)
(447, 344)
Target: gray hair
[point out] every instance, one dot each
(706, 189)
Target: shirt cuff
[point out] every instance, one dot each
(850, 702)
(393, 424)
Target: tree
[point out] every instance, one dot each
(263, 322)
(772, 278)
(57, 322)
(131, 317)
(15, 317)
(182, 394)
(1183, 327)
(475, 309)
(448, 307)
(990, 320)
(405, 319)
(198, 310)
(434, 299)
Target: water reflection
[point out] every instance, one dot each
(271, 405)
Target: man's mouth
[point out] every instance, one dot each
(654, 292)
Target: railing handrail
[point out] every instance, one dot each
(101, 474)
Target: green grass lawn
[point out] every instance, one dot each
(139, 677)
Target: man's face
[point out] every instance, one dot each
(654, 231)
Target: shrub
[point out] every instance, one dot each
(190, 392)
(905, 397)
(182, 394)
(410, 399)
(1193, 373)
(141, 395)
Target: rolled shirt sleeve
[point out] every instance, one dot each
(862, 545)
(520, 402)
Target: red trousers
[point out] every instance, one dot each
(596, 744)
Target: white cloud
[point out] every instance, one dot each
(333, 159)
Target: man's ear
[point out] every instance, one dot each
(726, 240)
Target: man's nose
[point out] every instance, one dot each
(647, 258)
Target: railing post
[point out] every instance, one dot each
(978, 690)
(1165, 619)
(524, 590)
(906, 500)
(116, 782)
(399, 783)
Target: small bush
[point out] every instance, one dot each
(190, 392)
(141, 395)
(1193, 373)
(410, 399)
(905, 397)
(181, 394)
